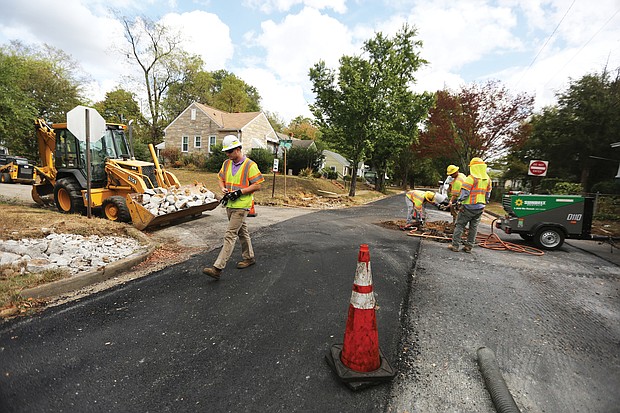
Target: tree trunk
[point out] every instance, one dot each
(353, 181)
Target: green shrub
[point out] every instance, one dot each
(607, 187)
(263, 158)
(216, 158)
(567, 188)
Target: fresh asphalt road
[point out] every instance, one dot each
(256, 340)
(253, 341)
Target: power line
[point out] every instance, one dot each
(544, 45)
(583, 47)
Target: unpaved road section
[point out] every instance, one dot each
(553, 322)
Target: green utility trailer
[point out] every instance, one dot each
(547, 220)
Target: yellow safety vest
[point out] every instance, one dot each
(477, 188)
(246, 175)
(455, 186)
(417, 197)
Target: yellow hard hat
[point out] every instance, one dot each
(476, 161)
(230, 142)
(429, 196)
(452, 169)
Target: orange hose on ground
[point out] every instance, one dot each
(493, 242)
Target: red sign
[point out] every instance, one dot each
(538, 168)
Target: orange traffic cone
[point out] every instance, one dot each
(252, 212)
(359, 362)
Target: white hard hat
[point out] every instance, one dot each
(230, 142)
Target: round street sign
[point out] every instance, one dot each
(538, 168)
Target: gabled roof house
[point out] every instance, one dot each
(199, 127)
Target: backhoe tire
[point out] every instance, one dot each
(549, 238)
(5, 178)
(68, 196)
(115, 209)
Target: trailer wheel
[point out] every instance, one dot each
(549, 238)
(68, 196)
(115, 209)
(5, 178)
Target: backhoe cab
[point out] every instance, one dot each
(117, 181)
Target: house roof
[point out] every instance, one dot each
(337, 157)
(302, 143)
(226, 120)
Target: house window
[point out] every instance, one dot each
(197, 142)
(185, 144)
(211, 143)
(193, 114)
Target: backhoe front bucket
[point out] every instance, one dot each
(142, 218)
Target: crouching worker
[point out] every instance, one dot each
(238, 179)
(416, 206)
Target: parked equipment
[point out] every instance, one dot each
(16, 169)
(547, 220)
(117, 181)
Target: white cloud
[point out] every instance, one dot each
(301, 40)
(284, 98)
(203, 34)
(270, 6)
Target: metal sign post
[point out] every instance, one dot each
(83, 123)
(88, 185)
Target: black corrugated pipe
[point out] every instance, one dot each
(502, 399)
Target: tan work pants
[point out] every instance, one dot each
(237, 228)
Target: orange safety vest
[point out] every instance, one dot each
(477, 188)
(246, 175)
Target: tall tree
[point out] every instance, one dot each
(575, 136)
(195, 85)
(370, 111)
(232, 94)
(119, 106)
(155, 49)
(34, 82)
(479, 120)
(302, 128)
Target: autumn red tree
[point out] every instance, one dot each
(479, 120)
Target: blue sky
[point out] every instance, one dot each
(532, 46)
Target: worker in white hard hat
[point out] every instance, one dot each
(238, 179)
(475, 194)
(454, 190)
(416, 201)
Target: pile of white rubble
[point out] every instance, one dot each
(160, 201)
(73, 252)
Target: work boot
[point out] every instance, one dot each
(246, 263)
(467, 249)
(213, 272)
(453, 248)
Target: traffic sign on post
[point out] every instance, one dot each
(79, 116)
(538, 168)
(86, 123)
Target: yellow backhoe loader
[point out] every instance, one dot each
(16, 169)
(118, 182)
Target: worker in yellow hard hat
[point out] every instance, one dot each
(474, 195)
(455, 179)
(416, 201)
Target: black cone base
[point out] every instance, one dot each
(356, 380)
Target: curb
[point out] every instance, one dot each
(81, 280)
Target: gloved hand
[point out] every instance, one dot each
(225, 199)
(234, 195)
